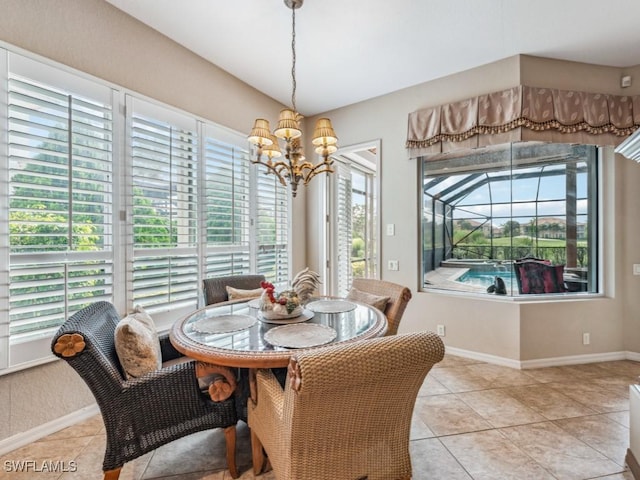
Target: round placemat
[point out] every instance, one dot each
(331, 306)
(300, 335)
(224, 323)
(303, 317)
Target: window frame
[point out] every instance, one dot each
(362, 159)
(600, 184)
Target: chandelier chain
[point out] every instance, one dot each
(293, 63)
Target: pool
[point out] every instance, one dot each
(485, 277)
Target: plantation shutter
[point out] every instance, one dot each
(272, 228)
(343, 229)
(60, 133)
(226, 202)
(164, 196)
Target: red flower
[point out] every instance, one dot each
(269, 289)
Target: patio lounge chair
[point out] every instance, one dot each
(539, 276)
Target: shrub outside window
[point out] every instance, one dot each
(516, 220)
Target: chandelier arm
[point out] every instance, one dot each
(313, 173)
(306, 166)
(280, 165)
(326, 164)
(271, 169)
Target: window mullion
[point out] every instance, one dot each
(70, 171)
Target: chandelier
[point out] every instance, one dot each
(294, 167)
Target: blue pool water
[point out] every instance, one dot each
(484, 278)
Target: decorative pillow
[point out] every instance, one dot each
(376, 301)
(238, 293)
(137, 344)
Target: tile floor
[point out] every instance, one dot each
(472, 420)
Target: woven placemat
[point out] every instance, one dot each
(300, 335)
(331, 306)
(224, 323)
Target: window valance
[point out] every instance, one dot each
(523, 113)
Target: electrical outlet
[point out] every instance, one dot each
(586, 338)
(393, 265)
(440, 330)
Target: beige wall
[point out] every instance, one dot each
(33, 397)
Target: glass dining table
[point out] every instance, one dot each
(237, 335)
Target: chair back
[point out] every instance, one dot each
(539, 276)
(215, 288)
(97, 362)
(349, 407)
(399, 297)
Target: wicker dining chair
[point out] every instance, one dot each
(345, 411)
(144, 413)
(399, 297)
(215, 288)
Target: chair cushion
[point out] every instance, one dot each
(376, 301)
(239, 293)
(137, 344)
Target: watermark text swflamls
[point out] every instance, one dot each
(40, 466)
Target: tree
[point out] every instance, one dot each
(511, 229)
(358, 220)
(465, 225)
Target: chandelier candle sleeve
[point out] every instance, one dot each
(294, 167)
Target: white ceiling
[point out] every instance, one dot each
(352, 50)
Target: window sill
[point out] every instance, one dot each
(546, 298)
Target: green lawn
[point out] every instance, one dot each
(523, 240)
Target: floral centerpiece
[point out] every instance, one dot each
(285, 304)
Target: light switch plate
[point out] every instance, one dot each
(391, 229)
(393, 265)
(636, 268)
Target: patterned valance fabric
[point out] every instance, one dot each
(523, 113)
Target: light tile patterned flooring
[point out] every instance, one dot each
(472, 420)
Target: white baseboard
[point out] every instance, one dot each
(483, 357)
(544, 362)
(24, 438)
(574, 360)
